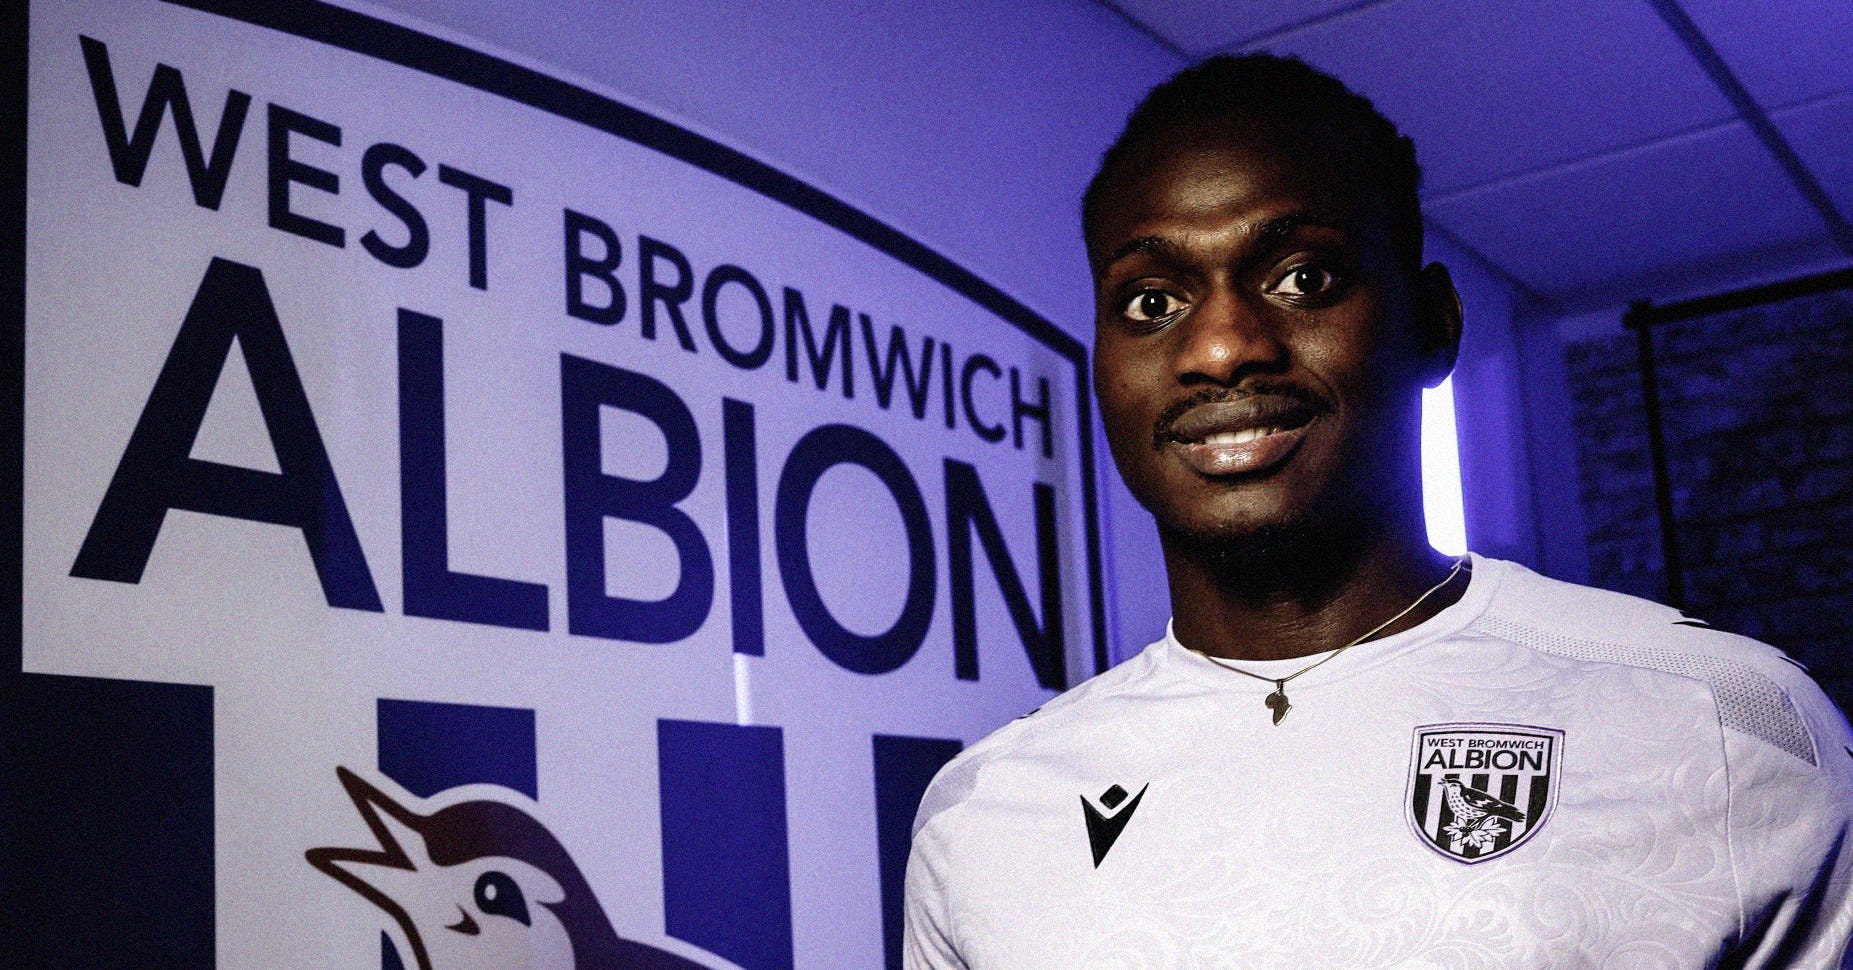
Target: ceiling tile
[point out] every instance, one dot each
(1782, 52)
(1201, 26)
(1822, 134)
(1492, 89)
(1688, 204)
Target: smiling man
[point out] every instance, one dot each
(1348, 751)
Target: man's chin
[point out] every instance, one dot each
(1289, 554)
(1257, 546)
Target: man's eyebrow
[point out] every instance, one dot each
(1277, 230)
(1272, 233)
(1144, 244)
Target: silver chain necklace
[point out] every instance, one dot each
(1277, 701)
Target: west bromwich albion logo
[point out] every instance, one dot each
(480, 884)
(1478, 791)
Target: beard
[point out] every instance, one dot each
(1306, 557)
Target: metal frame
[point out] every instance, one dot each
(1642, 316)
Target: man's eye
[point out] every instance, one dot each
(1308, 280)
(1150, 305)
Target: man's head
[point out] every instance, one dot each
(1264, 324)
(1294, 103)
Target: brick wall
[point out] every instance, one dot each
(1758, 411)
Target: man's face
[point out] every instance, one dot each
(1257, 356)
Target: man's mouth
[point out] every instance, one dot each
(1241, 437)
(1238, 436)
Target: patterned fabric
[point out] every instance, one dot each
(1542, 775)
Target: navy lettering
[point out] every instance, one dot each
(899, 361)
(128, 155)
(798, 323)
(973, 364)
(651, 291)
(157, 472)
(603, 268)
(592, 496)
(945, 378)
(431, 588)
(285, 170)
(417, 246)
(814, 454)
(479, 192)
(1020, 409)
(743, 570)
(710, 316)
(969, 510)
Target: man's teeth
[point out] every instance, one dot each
(1241, 437)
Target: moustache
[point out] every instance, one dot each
(1266, 403)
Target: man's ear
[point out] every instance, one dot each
(1437, 315)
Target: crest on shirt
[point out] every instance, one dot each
(1478, 791)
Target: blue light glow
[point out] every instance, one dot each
(1441, 472)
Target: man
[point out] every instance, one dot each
(1348, 751)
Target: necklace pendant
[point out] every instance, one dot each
(1277, 702)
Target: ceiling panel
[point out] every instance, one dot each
(1201, 26)
(1491, 89)
(1822, 134)
(1578, 144)
(1688, 204)
(1782, 52)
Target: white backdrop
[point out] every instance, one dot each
(420, 238)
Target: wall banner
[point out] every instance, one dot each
(468, 521)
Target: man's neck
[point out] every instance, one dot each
(1283, 597)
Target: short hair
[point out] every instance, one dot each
(1282, 96)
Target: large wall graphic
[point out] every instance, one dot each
(465, 520)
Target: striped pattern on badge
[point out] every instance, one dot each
(1478, 791)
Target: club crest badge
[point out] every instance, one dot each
(1478, 791)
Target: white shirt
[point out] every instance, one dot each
(1542, 775)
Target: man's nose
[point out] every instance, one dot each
(1225, 337)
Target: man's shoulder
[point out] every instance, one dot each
(1759, 690)
(1031, 734)
(1572, 618)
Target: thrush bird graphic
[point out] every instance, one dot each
(480, 884)
(1473, 806)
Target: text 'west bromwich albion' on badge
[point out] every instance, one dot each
(1478, 791)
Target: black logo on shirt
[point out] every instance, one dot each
(1105, 824)
(1478, 791)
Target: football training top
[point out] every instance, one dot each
(1541, 776)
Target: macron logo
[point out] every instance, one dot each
(1105, 824)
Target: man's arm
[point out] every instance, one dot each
(927, 940)
(1790, 823)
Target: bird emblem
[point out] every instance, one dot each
(480, 884)
(1476, 813)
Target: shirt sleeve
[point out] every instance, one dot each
(927, 942)
(1790, 822)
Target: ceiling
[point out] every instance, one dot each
(1593, 152)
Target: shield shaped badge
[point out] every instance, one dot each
(1478, 791)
